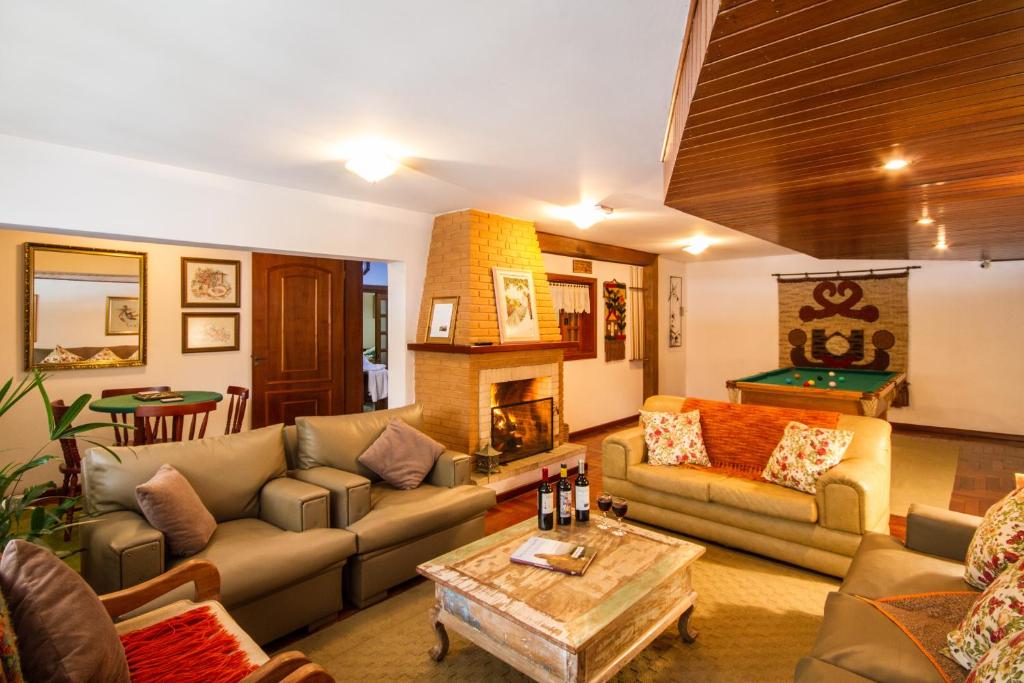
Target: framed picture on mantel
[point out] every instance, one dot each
(443, 313)
(517, 305)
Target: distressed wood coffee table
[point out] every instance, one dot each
(555, 627)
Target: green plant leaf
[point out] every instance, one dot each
(38, 521)
(76, 407)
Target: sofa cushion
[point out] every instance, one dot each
(171, 506)
(256, 558)
(674, 438)
(883, 567)
(998, 541)
(688, 482)
(338, 440)
(397, 516)
(1003, 662)
(402, 456)
(996, 614)
(227, 472)
(804, 454)
(859, 638)
(64, 633)
(764, 498)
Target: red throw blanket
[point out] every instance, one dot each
(740, 438)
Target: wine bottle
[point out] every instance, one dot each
(564, 497)
(582, 493)
(545, 503)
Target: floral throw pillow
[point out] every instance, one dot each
(105, 354)
(674, 438)
(1003, 662)
(999, 540)
(999, 612)
(804, 454)
(61, 355)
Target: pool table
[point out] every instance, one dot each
(856, 392)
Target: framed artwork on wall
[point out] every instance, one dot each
(517, 305)
(443, 312)
(210, 283)
(207, 332)
(122, 315)
(675, 311)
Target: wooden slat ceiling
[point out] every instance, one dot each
(786, 111)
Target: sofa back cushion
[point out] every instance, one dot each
(744, 436)
(227, 472)
(338, 440)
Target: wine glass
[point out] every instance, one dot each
(619, 508)
(604, 503)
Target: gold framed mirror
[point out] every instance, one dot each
(84, 307)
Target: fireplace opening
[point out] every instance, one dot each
(522, 419)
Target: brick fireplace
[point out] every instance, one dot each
(459, 384)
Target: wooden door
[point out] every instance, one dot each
(306, 335)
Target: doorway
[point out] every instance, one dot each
(306, 337)
(375, 336)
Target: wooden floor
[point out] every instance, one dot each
(984, 475)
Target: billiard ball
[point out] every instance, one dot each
(820, 378)
(789, 380)
(810, 382)
(831, 373)
(841, 378)
(796, 375)
(831, 384)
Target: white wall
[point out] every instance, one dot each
(671, 361)
(966, 335)
(63, 189)
(597, 392)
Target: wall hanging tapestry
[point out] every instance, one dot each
(675, 311)
(614, 320)
(637, 320)
(845, 320)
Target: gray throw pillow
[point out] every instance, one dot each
(64, 633)
(173, 507)
(402, 455)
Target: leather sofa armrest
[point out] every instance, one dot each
(853, 496)
(295, 505)
(620, 450)
(936, 531)
(350, 493)
(121, 550)
(451, 469)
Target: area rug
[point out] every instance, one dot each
(756, 619)
(923, 471)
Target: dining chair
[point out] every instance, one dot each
(71, 468)
(153, 419)
(123, 420)
(236, 409)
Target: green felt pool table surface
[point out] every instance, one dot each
(866, 381)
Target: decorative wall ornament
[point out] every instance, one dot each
(206, 332)
(636, 320)
(443, 313)
(210, 283)
(614, 320)
(123, 315)
(675, 311)
(516, 302)
(581, 266)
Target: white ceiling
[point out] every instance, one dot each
(509, 107)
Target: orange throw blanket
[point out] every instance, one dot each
(740, 438)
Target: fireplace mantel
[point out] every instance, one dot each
(492, 348)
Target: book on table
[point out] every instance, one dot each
(559, 556)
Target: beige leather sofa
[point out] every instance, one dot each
(280, 562)
(856, 642)
(395, 529)
(821, 532)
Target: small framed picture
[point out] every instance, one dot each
(206, 332)
(122, 315)
(210, 283)
(443, 312)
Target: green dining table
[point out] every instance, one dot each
(127, 404)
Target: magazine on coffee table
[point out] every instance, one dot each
(559, 556)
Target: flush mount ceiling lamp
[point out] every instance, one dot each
(697, 245)
(371, 159)
(584, 215)
(895, 164)
(925, 220)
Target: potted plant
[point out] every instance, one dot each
(25, 512)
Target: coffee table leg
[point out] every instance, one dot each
(686, 633)
(440, 648)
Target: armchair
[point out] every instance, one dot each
(395, 529)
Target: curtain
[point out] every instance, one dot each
(636, 320)
(571, 298)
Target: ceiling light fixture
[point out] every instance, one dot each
(697, 245)
(371, 159)
(896, 164)
(584, 215)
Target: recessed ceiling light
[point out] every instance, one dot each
(925, 220)
(697, 245)
(371, 159)
(895, 164)
(583, 215)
